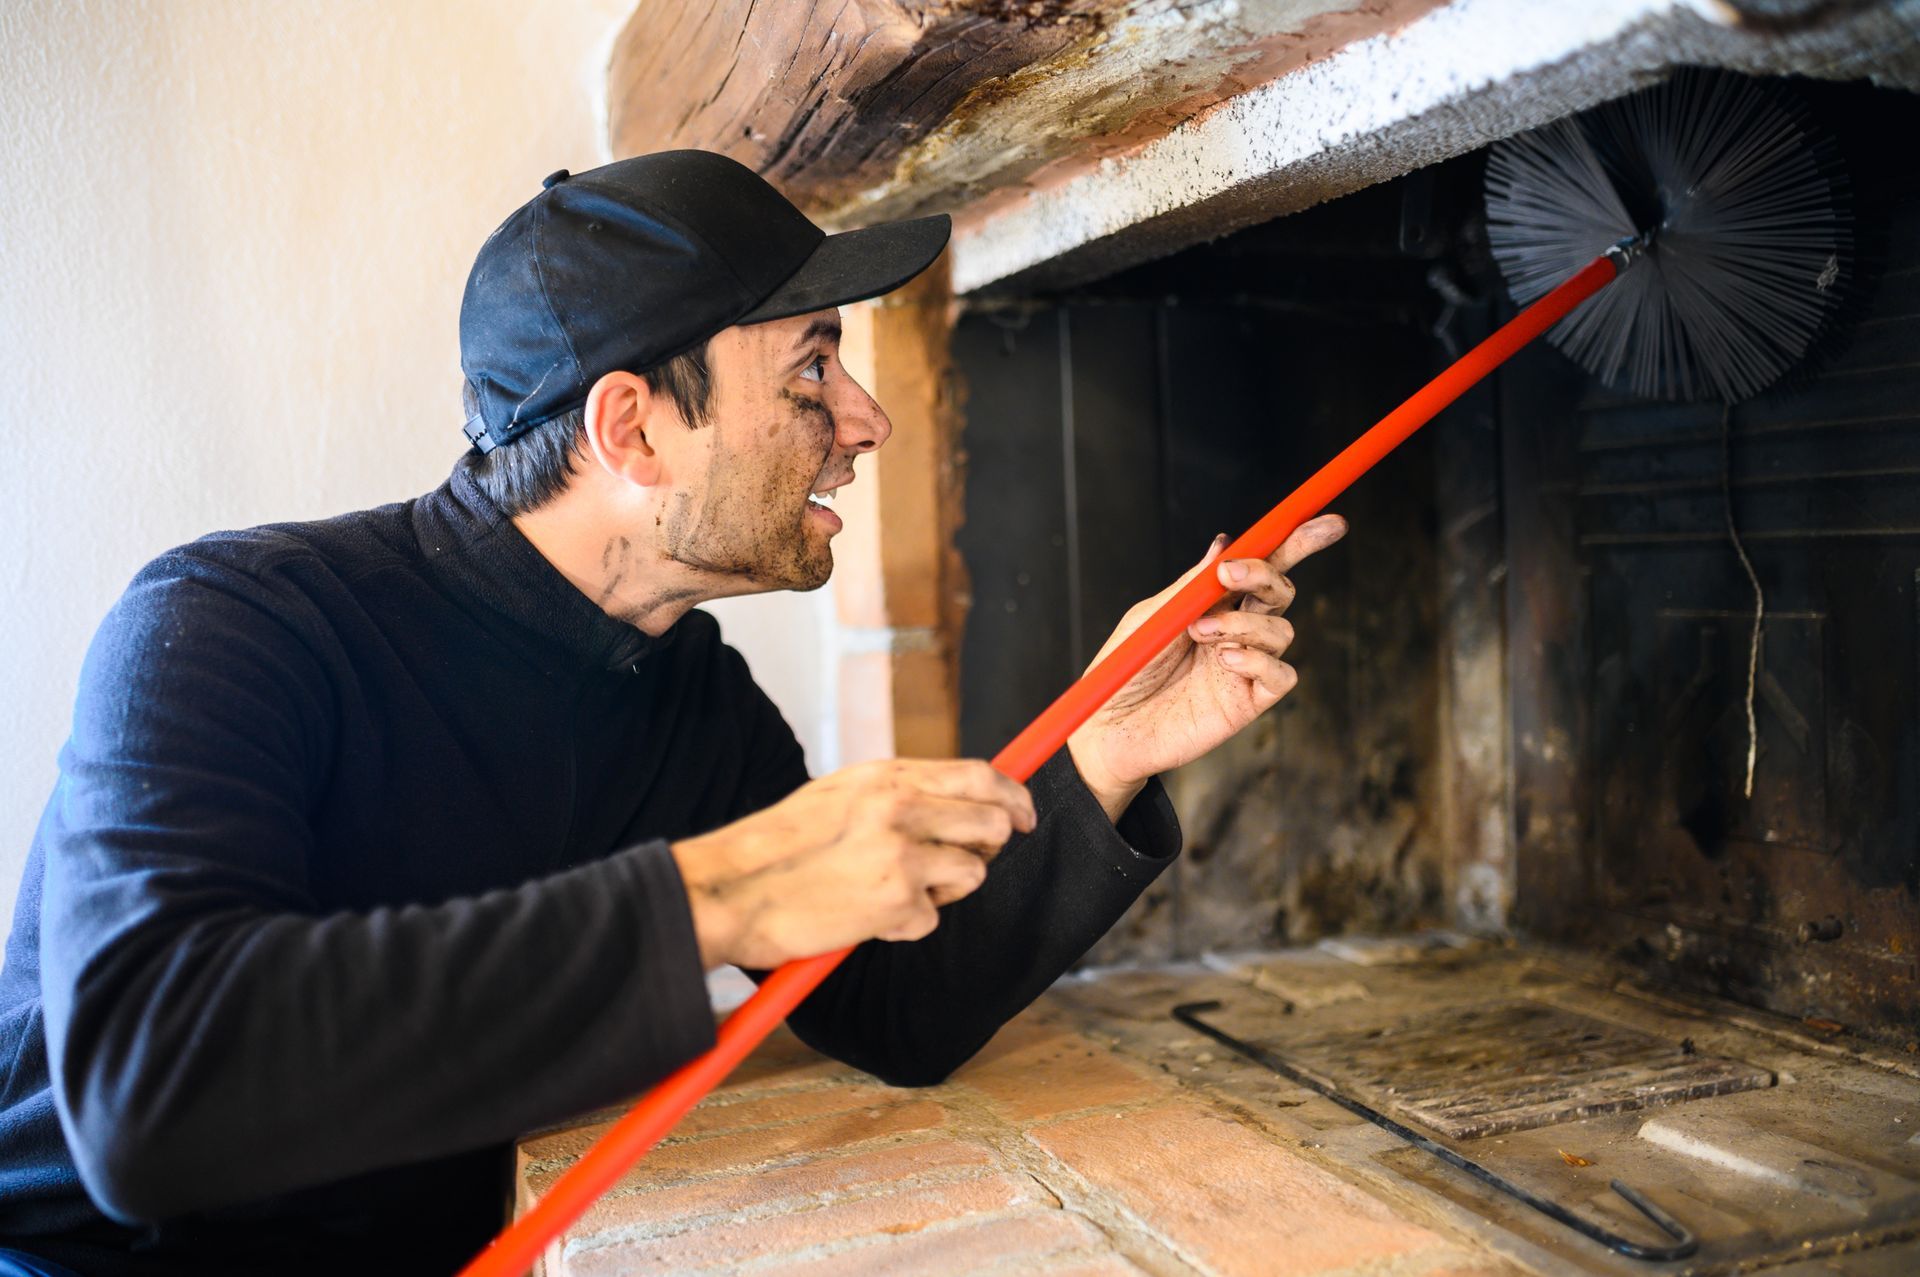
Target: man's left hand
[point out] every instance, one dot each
(1223, 673)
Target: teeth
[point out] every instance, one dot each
(823, 498)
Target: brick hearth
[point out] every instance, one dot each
(1050, 1152)
(1098, 1135)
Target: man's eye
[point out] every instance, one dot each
(817, 370)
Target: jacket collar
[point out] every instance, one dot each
(473, 546)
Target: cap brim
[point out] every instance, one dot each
(855, 265)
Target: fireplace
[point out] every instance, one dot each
(1523, 674)
(1518, 749)
(1488, 878)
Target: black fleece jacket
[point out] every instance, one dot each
(357, 867)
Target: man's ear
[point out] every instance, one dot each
(623, 421)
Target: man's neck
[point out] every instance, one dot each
(626, 576)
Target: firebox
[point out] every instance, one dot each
(1522, 676)
(1521, 733)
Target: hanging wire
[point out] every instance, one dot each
(1753, 578)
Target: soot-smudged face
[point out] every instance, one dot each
(786, 423)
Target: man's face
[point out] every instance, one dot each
(786, 422)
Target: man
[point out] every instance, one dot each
(382, 839)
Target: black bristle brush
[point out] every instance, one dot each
(1735, 204)
(1735, 210)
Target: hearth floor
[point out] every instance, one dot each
(1097, 1135)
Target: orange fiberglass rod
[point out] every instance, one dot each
(515, 1250)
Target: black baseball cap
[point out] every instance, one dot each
(627, 265)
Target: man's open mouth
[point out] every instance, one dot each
(820, 505)
(823, 494)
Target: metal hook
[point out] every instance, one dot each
(1684, 1242)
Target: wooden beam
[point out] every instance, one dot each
(866, 109)
(821, 97)
(1072, 138)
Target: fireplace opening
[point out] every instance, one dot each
(1491, 868)
(1521, 705)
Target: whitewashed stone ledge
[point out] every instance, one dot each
(1452, 81)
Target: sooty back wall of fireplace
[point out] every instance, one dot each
(1630, 623)
(1110, 434)
(1523, 678)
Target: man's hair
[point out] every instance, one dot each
(532, 470)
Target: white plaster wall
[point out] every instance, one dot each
(233, 235)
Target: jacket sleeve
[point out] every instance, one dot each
(911, 1013)
(213, 1036)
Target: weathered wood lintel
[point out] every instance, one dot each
(861, 109)
(822, 96)
(1076, 137)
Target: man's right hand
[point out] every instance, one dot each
(871, 851)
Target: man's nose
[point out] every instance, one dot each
(861, 423)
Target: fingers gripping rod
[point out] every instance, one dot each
(516, 1249)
